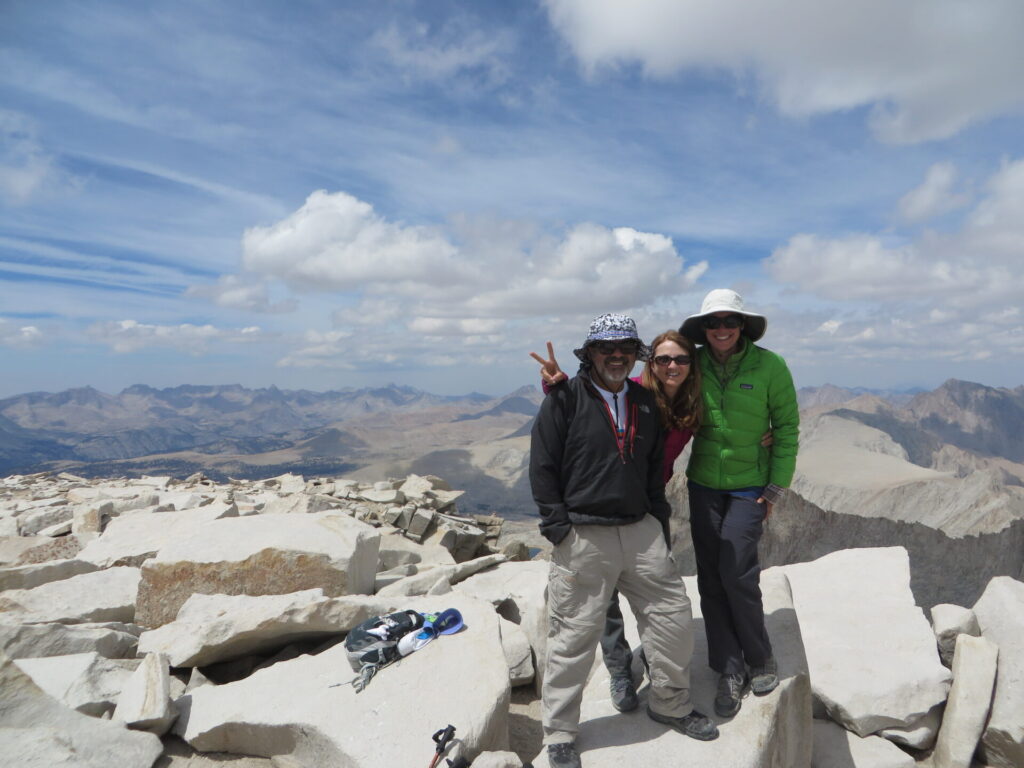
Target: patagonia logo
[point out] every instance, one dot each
(645, 409)
(746, 386)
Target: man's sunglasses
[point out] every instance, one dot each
(664, 360)
(610, 347)
(711, 322)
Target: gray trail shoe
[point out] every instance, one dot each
(765, 677)
(563, 756)
(695, 725)
(730, 694)
(623, 693)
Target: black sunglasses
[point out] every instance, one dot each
(610, 347)
(711, 322)
(678, 359)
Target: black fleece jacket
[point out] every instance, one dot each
(581, 475)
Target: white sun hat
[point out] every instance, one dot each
(723, 300)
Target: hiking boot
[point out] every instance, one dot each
(695, 725)
(764, 678)
(623, 693)
(729, 695)
(563, 755)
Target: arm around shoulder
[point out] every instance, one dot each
(785, 423)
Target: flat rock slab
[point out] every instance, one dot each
(112, 640)
(37, 731)
(871, 651)
(37, 574)
(133, 539)
(86, 682)
(772, 731)
(970, 699)
(1000, 612)
(836, 747)
(107, 595)
(213, 628)
(259, 555)
(392, 719)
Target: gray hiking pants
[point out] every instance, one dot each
(591, 562)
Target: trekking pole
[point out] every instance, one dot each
(441, 738)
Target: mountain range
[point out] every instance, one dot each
(861, 450)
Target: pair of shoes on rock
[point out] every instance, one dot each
(563, 755)
(730, 694)
(623, 693)
(695, 725)
(764, 678)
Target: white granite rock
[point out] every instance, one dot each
(396, 550)
(107, 595)
(497, 760)
(86, 682)
(37, 731)
(34, 522)
(769, 731)
(517, 592)
(133, 539)
(212, 628)
(970, 699)
(518, 653)
(426, 581)
(920, 733)
(111, 640)
(326, 723)
(37, 574)
(1000, 612)
(836, 747)
(871, 652)
(259, 555)
(145, 703)
(948, 622)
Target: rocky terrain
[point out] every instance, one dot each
(188, 623)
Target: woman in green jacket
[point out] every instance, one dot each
(733, 481)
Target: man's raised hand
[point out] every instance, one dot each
(550, 373)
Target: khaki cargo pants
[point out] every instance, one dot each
(586, 566)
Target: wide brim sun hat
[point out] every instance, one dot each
(723, 300)
(612, 327)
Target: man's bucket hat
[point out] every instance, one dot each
(723, 300)
(612, 327)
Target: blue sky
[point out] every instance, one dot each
(329, 194)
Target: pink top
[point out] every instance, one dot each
(675, 439)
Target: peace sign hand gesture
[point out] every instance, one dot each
(550, 373)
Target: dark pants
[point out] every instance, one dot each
(726, 530)
(618, 656)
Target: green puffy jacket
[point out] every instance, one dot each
(751, 394)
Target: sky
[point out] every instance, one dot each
(324, 194)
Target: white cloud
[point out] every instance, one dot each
(124, 336)
(939, 296)
(934, 197)
(27, 170)
(499, 271)
(445, 53)
(234, 292)
(14, 335)
(927, 68)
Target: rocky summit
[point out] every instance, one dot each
(189, 623)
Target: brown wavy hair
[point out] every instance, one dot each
(682, 411)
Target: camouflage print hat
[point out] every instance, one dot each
(612, 327)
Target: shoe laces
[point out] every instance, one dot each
(621, 684)
(732, 684)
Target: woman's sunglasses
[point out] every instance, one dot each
(664, 360)
(711, 322)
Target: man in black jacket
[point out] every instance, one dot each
(596, 475)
